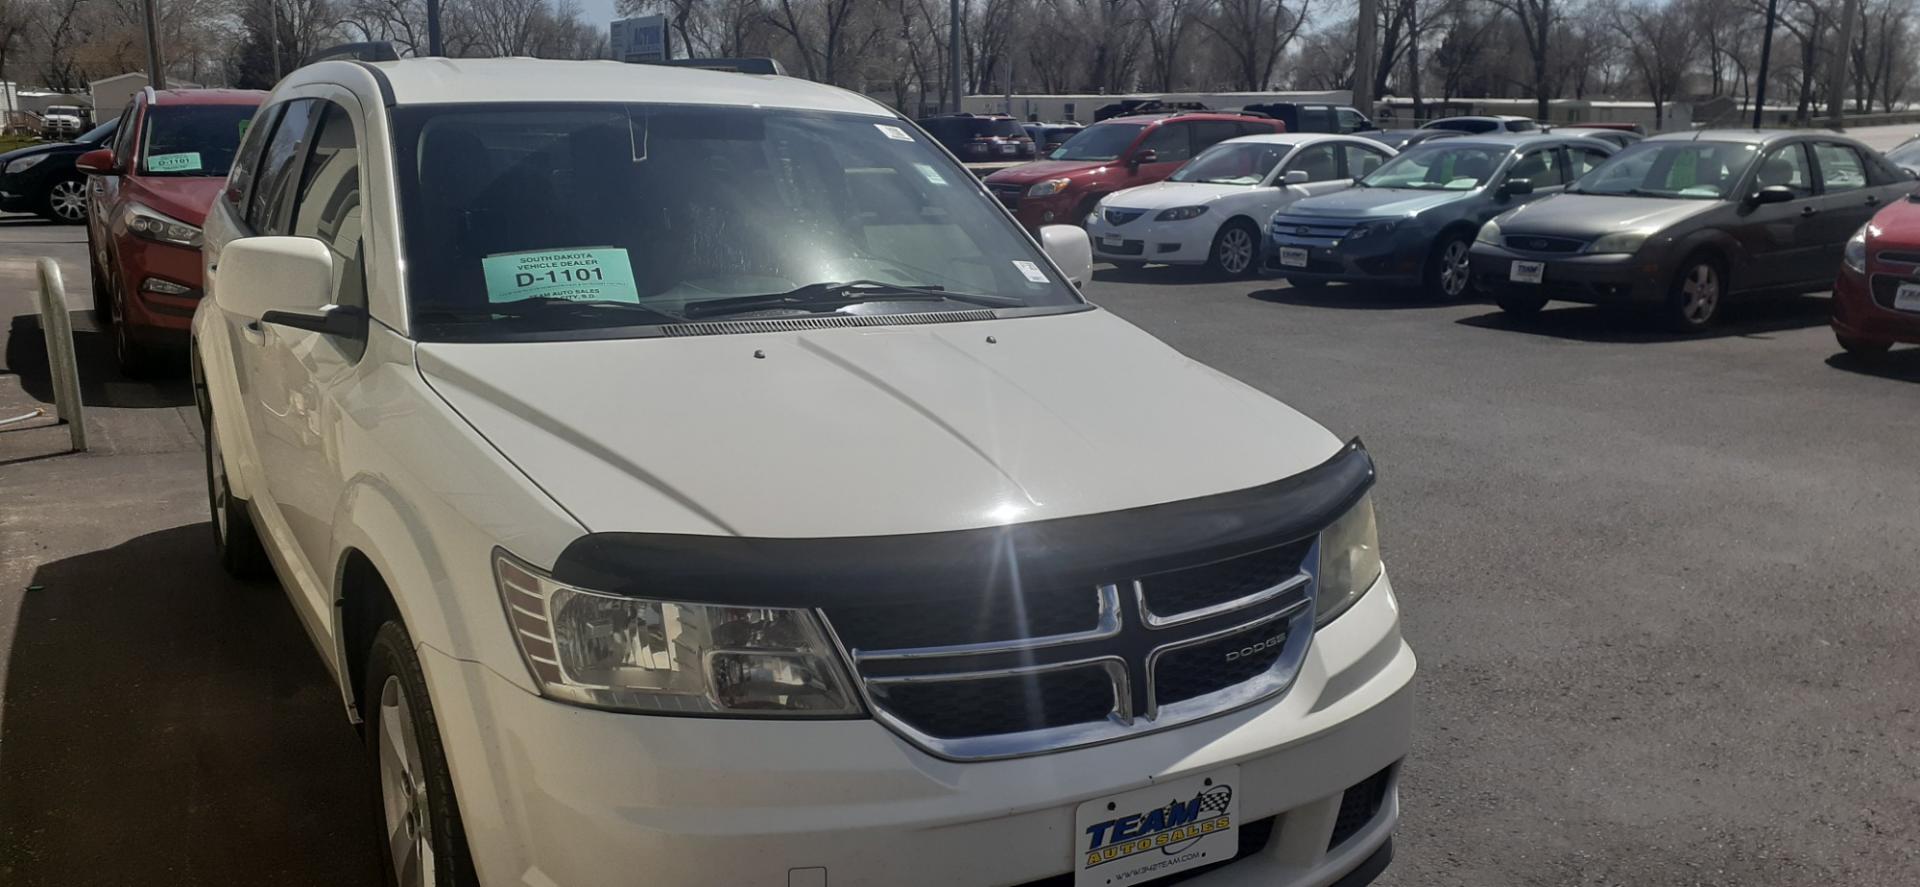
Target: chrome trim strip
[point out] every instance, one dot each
(1106, 626)
(1291, 611)
(1155, 621)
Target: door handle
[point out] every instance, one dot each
(1873, 200)
(1807, 211)
(254, 333)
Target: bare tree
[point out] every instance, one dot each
(1253, 35)
(1536, 19)
(1659, 38)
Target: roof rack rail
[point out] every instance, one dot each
(738, 66)
(371, 51)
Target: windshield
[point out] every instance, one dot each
(1465, 124)
(1233, 163)
(1102, 141)
(1679, 170)
(99, 133)
(1439, 167)
(643, 212)
(1908, 154)
(190, 140)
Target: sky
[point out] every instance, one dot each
(599, 12)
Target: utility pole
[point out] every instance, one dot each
(1366, 55)
(1413, 54)
(156, 75)
(433, 29)
(1837, 68)
(273, 26)
(1766, 56)
(953, 53)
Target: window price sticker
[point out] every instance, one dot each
(187, 162)
(593, 274)
(1030, 270)
(893, 132)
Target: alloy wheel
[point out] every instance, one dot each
(68, 200)
(1236, 250)
(403, 790)
(1454, 269)
(1700, 293)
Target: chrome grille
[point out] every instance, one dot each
(1069, 667)
(1009, 194)
(1886, 287)
(1308, 228)
(1123, 216)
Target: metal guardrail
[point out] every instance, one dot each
(57, 327)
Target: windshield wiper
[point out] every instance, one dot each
(831, 295)
(548, 307)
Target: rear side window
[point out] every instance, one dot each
(1316, 118)
(1207, 133)
(1521, 126)
(1840, 167)
(1006, 129)
(273, 184)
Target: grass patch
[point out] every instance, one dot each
(18, 140)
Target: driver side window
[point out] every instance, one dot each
(1542, 168)
(1787, 166)
(1319, 162)
(1170, 142)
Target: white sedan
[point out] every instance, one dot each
(1210, 211)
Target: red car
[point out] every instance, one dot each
(150, 191)
(1121, 152)
(1876, 298)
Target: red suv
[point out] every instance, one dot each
(1876, 298)
(151, 188)
(1121, 152)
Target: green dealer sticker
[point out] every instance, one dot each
(592, 274)
(187, 162)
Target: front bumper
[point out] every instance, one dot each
(1145, 240)
(1033, 212)
(1598, 279)
(1398, 258)
(158, 317)
(1858, 314)
(553, 794)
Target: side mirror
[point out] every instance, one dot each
(1070, 248)
(286, 281)
(1145, 155)
(1772, 194)
(97, 162)
(1516, 188)
(1295, 177)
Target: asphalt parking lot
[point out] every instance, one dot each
(1661, 588)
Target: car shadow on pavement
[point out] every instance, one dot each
(1900, 364)
(1349, 296)
(163, 724)
(1597, 323)
(101, 383)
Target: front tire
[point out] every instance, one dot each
(235, 540)
(1862, 348)
(423, 843)
(1236, 250)
(1449, 276)
(66, 201)
(1694, 299)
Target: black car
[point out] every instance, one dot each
(1303, 117)
(41, 179)
(1402, 139)
(979, 139)
(1048, 136)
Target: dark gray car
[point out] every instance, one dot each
(1411, 221)
(1679, 222)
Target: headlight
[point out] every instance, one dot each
(1371, 229)
(1048, 188)
(1349, 561)
(1855, 256)
(25, 163)
(1180, 214)
(153, 225)
(662, 657)
(1620, 242)
(1489, 233)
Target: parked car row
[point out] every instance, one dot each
(1677, 224)
(43, 180)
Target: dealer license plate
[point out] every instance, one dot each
(1527, 272)
(1293, 257)
(1113, 241)
(1907, 297)
(1150, 833)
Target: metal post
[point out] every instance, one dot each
(57, 328)
(433, 30)
(953, 53)
(1766, 56)
(156, 73)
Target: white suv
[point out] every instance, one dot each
(703, 480)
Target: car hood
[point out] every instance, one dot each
(186, 198)
(1587, 216)
(1372, 203)
(870, 431)
(1165, 195)
(1028, 173)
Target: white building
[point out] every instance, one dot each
(1394, 112)
(1055, 108)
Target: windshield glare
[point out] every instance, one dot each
(1907, 154)
(1440, 167)
(1233, 163)
(651, 209)
(1679, 170)
(1103, 141)
(189, 140)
